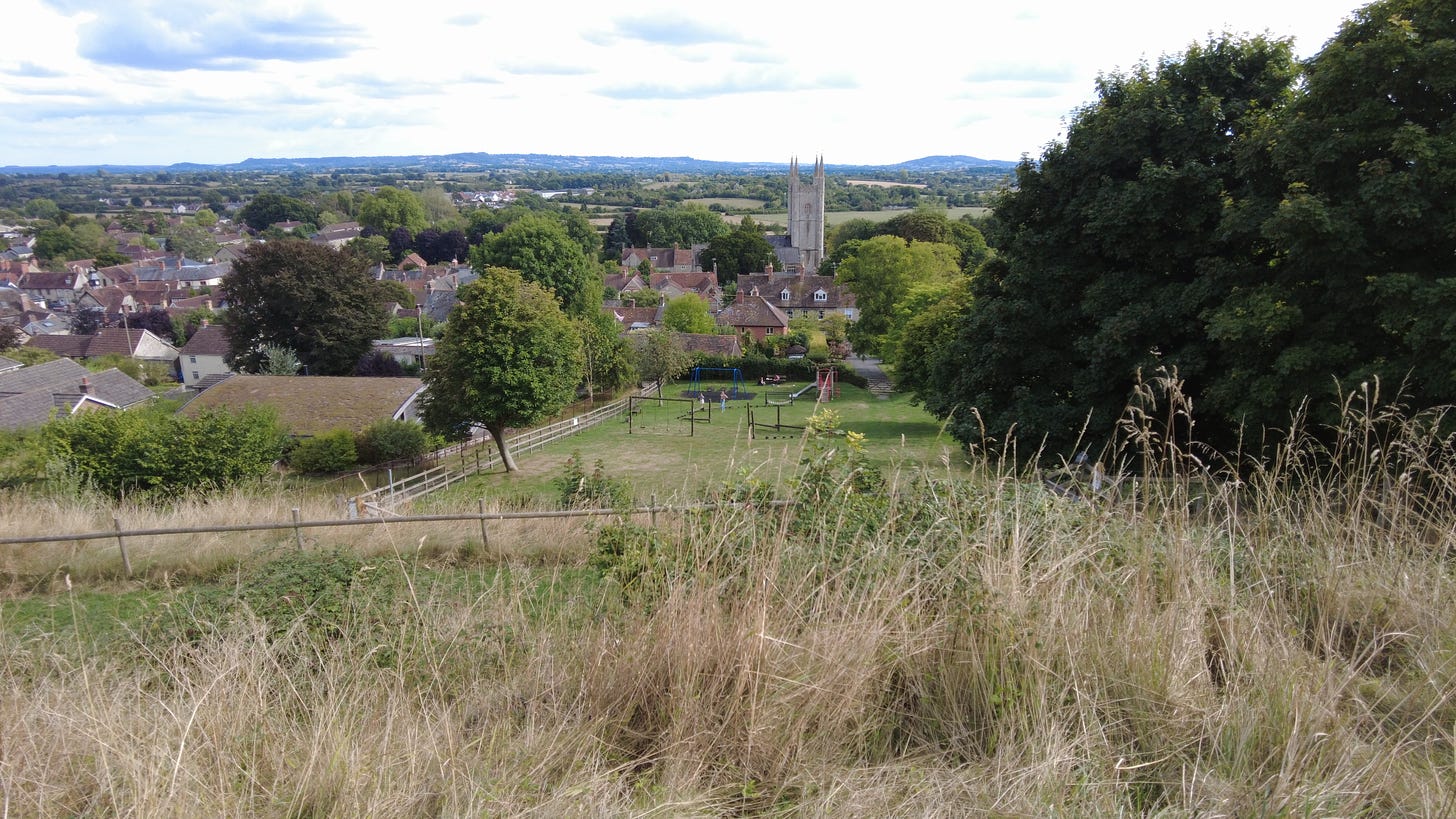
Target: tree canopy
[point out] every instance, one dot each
(315, 300)
(688, 313)
(390, 208)
(1269, 233)
(677, 225)
(509, 357)
(881, 273)
(540, 248)
(269, 208)
(740, 251)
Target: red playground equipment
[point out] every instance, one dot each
(828, 386)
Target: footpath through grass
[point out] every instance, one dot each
(666, 455)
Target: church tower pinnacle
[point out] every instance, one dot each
(806, 214)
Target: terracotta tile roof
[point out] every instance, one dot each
(628, 316)
(108, 340)
(312, 405)
(46, 280)
(67, 345)
(700, 283)
(752, 311)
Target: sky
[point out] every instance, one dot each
(86, 82)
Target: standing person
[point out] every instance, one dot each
(722, 399)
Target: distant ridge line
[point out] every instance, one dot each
(476, 161)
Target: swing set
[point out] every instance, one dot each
(718, 374)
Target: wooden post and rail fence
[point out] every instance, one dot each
(458, 462)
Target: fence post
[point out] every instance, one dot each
(653, 510)
(484, 533)
(297, 530)
(121, 544)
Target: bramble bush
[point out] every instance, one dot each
(580, 489)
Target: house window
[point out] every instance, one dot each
(821, 314)
(785, 295)
(195, 379)
(789, 313)
(820, 295)
(191, 359)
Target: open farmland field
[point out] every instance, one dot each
(730, 203)
(833, 218)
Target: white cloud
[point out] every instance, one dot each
(215, 81)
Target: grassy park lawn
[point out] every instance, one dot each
(660, 457)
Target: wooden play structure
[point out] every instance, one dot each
(827, 383)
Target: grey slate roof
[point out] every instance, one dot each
(30, 395)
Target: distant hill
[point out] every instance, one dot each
(468, 162)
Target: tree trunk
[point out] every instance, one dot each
(499, 434)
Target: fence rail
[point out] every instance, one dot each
(387, 499)
(483, 517)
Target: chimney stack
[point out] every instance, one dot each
(85, 385)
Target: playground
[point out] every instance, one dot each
(678, 447)
(717, 397)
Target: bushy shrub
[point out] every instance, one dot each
(332, 451)
(391, 440)
(159, 452)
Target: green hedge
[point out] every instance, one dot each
(754, 367)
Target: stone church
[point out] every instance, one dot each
(802, 250)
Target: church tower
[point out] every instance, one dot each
(806, 215)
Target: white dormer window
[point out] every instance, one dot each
(754, 291)
(820, 295)
(785, 295)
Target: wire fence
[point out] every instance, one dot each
(298, 525)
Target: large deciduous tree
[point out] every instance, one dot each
(1359, 280)
(315, 300)
(688, 313)
(269, 208)
(1114, 247)
(881, 273)
(389, 208)
(610, 364)
(740, 251)
(661, 356)
(680, 225)
(540, 248)
(509, 358)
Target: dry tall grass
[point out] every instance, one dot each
(964, 647)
